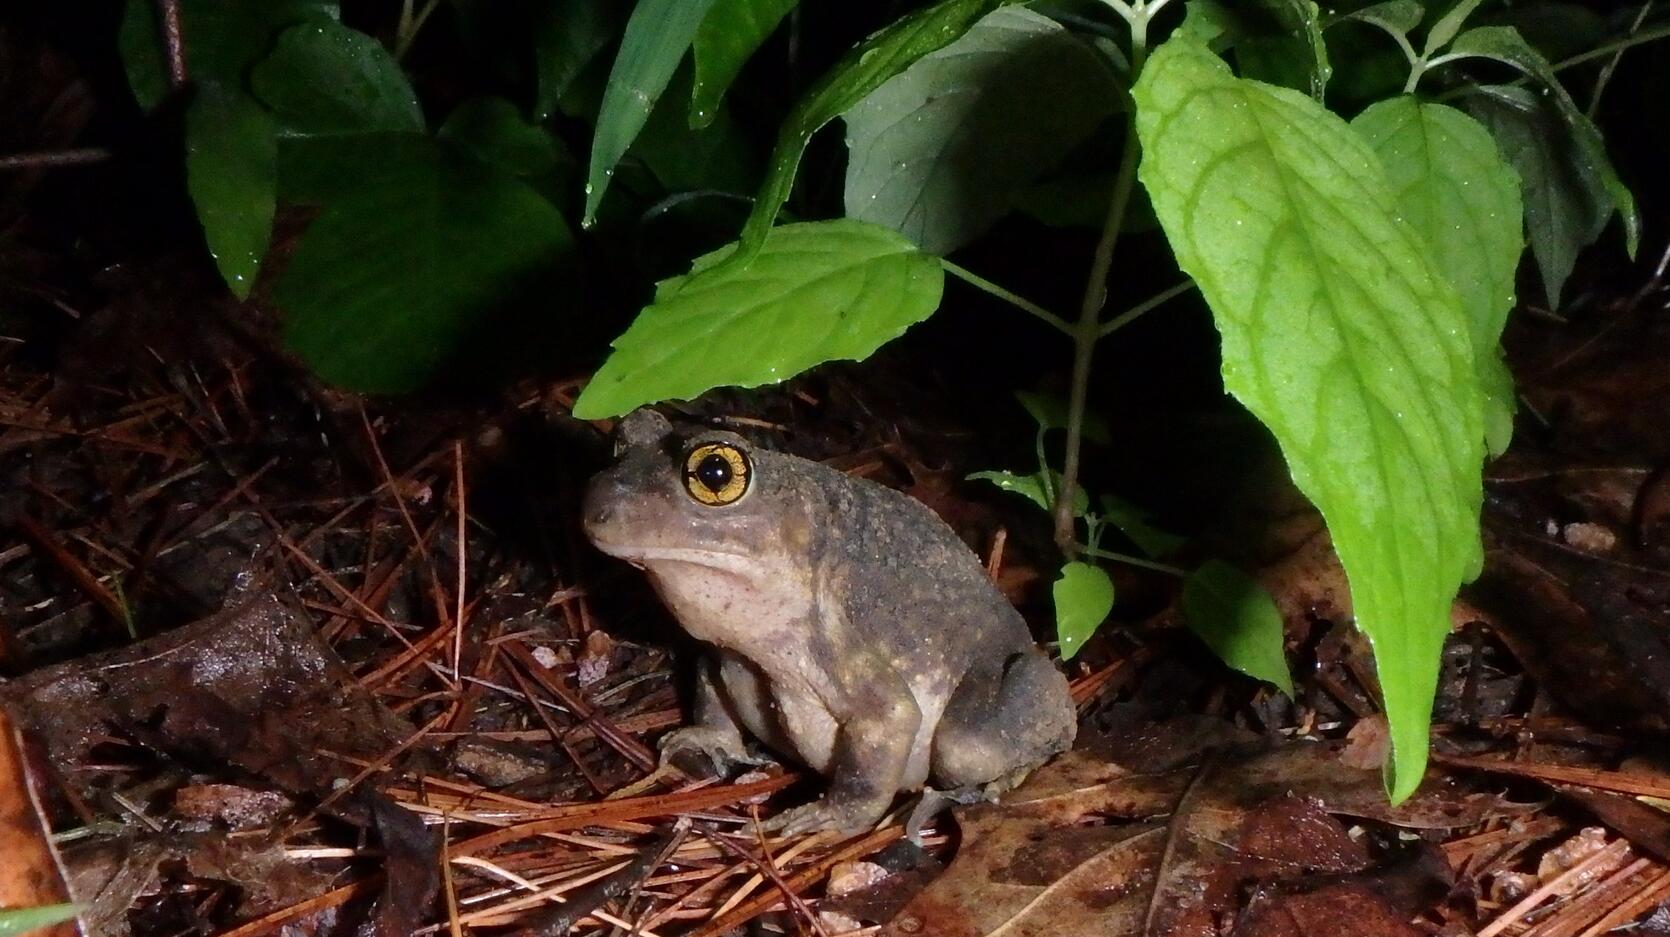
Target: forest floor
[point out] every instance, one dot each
(290, 661)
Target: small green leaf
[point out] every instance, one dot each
(941, 151)
(1083, 598)
(1341, 336)
(1030, 487)
(323, 78)
(495, 131)
(1239, 621)
(232, 174)
(1454, 188)
(1448, 25)
(1050, 412)
(20, 921)
(728, 36)
(819, 291)
(567, 36)
(656, 38)
(1397, 17)
(1133, 522)
(388, 282)
(1036, 488)
(222, 39)
(1504, 44)
(861, 71)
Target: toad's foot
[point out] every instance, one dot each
(706, 750)
(847, 818)
(932, 803)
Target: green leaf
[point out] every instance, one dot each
(1083, 598)
(1133, 522)
(222, 39)
(1567, 204)
(495, 131)
(716, 157)
(941, 150)
(320, 170)
(1239, 621)
(1050, 412)
(1504, 44)
(389, 281)
(1340, 336)
(1030, 487)
(819, 291)
(1397, 17)
(1448, 25)
(232, 175)
(325, 78)
(656, 38)
(567, 36)
(1280, 41)
(861, 71)
(1454, 188)
(21, 921)
(728, 36)
(1035, 488)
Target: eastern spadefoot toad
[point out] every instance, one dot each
(851, 629)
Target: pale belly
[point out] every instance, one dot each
(798, 725)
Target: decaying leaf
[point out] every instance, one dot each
(1178, 832)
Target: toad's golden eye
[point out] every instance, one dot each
(717, 473)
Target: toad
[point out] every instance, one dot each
(850, 629)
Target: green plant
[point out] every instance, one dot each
(24, 920)
(1370, 353)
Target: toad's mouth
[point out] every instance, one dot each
(643, 556)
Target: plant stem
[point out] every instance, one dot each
(1640, 38)
(406, 33)
(1130, 560)
(1014, 299)
(1605, 76)
(1089, 326)
(1153, 302)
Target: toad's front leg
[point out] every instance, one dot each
(877, 727)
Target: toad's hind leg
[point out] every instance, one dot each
(999, 725)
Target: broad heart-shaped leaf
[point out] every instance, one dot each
(393, 276)
(1083, 598)
(232, 174)
(1453, 187)
(1340, 336)
(495, 131)
(323, 77)
(656, 38)
(941, 150)
(1239, 621)
(22, 921)
(729, 34)
(223, 38)
(861, 71)
(818, 291)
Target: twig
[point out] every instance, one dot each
(173, 42)
(80, 157)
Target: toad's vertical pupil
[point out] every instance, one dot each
(714, 472)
